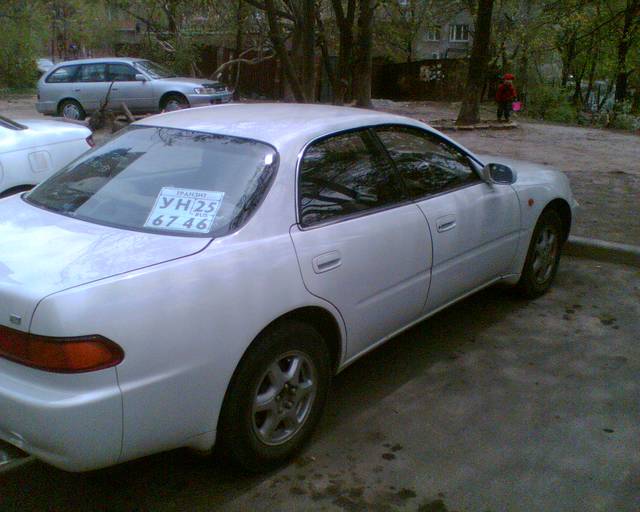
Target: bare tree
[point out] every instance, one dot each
(362, 78)
(630, 27)
(470, 109)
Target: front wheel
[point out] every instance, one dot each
(276, 397)
(173, 102)
(71, 109)
(543, 256)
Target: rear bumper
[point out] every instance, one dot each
(73, 422)
(46, 107)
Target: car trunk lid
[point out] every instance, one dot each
(42, 252)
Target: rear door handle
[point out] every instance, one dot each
(445, 223)
(327, 261)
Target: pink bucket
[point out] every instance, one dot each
(516, 106)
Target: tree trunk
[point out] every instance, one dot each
(631, 13)
(568, 56)
(329, 70)
(239, 43)
(362, 78)
(470, 109)
(282, 53)
(308, 50)
(345, 27)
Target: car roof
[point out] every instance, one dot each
(277, 124)
(98, 60)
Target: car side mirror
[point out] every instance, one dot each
(499, 174)
(140, 78)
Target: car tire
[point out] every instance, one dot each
(71, 109)
(173, 102)
(543, 256)
(275, 398)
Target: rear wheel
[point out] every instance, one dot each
(275, 398)
(543, 256)
(174, 102)
(71, 109)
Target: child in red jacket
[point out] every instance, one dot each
(505, 96)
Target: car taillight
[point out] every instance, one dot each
(60, 355)
(90, 141)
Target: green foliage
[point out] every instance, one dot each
(551, 104)
(623, 119)
(18, 46)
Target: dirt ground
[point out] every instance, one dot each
(603, 165)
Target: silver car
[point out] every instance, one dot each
(74, 89)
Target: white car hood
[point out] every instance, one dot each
(41, 132)
(43, 252)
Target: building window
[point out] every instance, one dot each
(433, 34)
(459, 33)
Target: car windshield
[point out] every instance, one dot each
(153, 69)
(165, 181)
(10, 124)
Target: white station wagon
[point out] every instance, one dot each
(199, 278)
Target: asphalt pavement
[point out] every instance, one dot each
(495, 404)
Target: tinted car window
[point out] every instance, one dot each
(121, 73)
(164, 180)
(343, 175)
(61, 75)
(154, 70)
(427, 164)
(92, 73)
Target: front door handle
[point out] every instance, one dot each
(446, 223)
(327, 261)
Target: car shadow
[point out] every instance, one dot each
(181, 479)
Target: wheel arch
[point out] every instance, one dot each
(15, 190)
(165, 95)
(316, 316)
(68, 98)
(561, 206)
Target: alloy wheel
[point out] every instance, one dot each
(545, 255)
(284, 398)
(71, 111)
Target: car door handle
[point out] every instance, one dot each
(446, 223)
(327, 261)
(76, 90)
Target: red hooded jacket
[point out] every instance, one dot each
(506, 92)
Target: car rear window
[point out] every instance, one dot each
(61, 75)
(164, 180)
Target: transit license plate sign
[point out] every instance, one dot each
(184, 209)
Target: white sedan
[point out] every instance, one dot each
(33, 150)
(201, 277)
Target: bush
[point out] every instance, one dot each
(622, 118)
(551, 104)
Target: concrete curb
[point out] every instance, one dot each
(600, 250)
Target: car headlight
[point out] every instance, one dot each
(200, 90)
